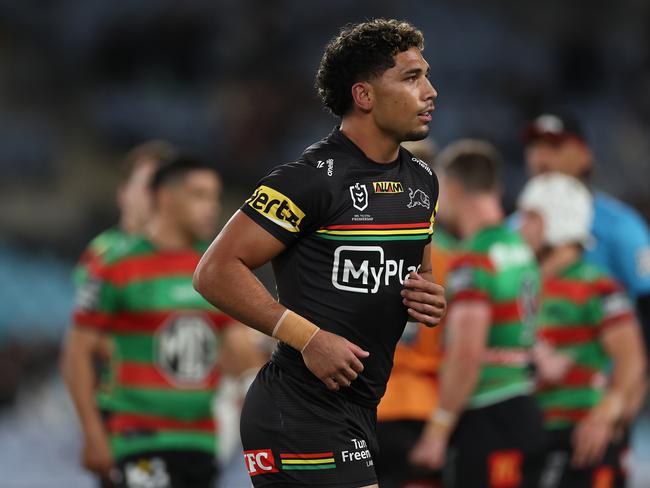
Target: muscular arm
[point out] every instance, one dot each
(224, 275)
(467, 325)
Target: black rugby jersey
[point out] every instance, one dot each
(354, 229)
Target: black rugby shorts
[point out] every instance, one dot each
(297, 434)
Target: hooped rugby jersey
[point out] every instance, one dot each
(166, 339)
(578, 306)
(496, 266)
(354, 230)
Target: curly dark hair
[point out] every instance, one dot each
(361, 52)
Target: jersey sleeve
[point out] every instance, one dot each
(469, 277)
(289, 202)
(615, 305)
(435, 191)
(96, 301)
(632, 254)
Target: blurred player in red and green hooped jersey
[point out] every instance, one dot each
(586, 323)
(133, 200)
(486, 414)
(166, 342)
(135, 207)
(411, 393)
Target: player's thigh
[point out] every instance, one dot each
(293, 435)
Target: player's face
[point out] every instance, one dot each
(403, 97)
(134, 197)
(532, 230)
(570, 157)
(196, 200)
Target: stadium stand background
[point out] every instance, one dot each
(81, 81)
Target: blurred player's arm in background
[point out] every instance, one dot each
(82, 346)
(622, 341)
(467, 327)
(224, 277)
(243, 352)
(240, 351)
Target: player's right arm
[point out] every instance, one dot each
(621, 338)
(225, 278)
(96, 302)
(82, 346)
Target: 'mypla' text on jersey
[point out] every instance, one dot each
(363, 269)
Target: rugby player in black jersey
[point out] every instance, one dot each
(347, 228)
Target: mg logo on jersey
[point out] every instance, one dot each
(359, 195)
(418, 197)
(363, 269)
(260, 461)
(187, 350)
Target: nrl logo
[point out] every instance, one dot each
(418, 197)
(359, 194)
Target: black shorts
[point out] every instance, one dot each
(396, 439)
(166, 469)
(502, 445)
(297, 434)
(558, 472)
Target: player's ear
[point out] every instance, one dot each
(362, 94)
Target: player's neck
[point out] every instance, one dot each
(166, 235)
(478, 213)
(129, 225)
(375, 144)
(559, 258)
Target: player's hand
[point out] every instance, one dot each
(96, 452)
(425, 300)
(430, 451)
(552, 365)
(590, 439)
(333, 359)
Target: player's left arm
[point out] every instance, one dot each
(621, 339)
(424, 298)
(467, 329)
